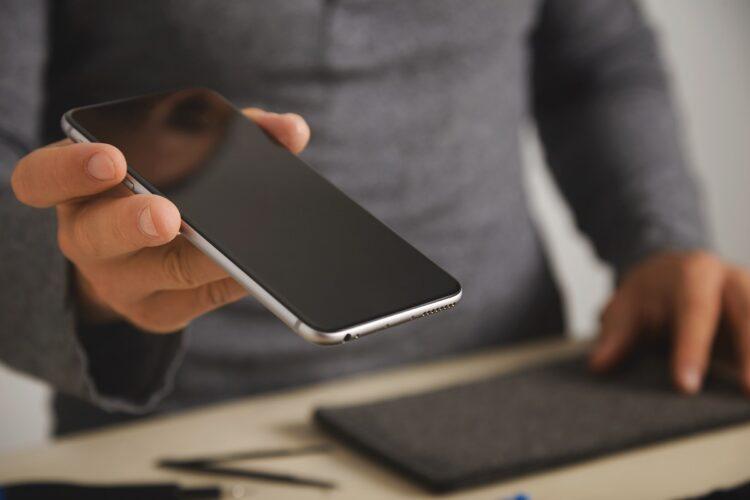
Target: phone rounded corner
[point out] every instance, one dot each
(65, 124)
(69, 129)
(319, 337)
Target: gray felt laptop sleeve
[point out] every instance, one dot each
(530, 420)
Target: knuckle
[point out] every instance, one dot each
(120, 229)
(700, 282)
(177, 266)
(217, 293)
(700, 265)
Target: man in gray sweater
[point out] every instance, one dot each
(415, 109)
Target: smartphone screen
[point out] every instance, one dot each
(324, 257)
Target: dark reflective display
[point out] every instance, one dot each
(320, 254)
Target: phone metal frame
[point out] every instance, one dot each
(264, 297)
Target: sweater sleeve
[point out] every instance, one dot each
(115, 367)
(607, 123)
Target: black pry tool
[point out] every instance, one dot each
(75, 491)
(209, 465)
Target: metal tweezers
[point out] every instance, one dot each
(211, 465)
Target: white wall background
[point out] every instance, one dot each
(707, 44)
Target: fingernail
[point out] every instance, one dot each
(146, 222)
(101, 167)
(691, 380)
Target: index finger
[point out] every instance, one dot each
(62, 173)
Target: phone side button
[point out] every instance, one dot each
(129, 184)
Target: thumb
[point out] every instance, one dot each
(289, 129)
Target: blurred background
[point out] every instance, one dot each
(706, 45)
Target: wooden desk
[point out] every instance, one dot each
(126, 453)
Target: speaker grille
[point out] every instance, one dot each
(435, 311)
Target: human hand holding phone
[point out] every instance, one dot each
(129, 261)
(310, 254)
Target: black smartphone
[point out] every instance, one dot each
(316, 259)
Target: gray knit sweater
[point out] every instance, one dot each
(415, 108)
